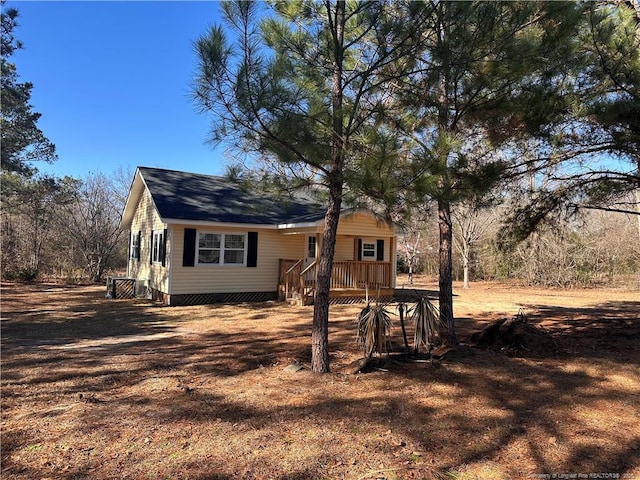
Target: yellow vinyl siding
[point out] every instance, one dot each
(357, 224)
(344, 249)
(361, 225)
(364, 225)
(351, 227)
(272, 246)
(147, 220)
(347, 248)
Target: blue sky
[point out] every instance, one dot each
(112, 82)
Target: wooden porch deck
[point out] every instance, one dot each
(351, 281)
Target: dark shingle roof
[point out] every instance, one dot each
(192, 196)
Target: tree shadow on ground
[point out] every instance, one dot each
(408, 293)
(610, 330)
(519, 400)
(473, 406)
(68, 315)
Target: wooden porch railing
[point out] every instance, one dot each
(357, 274)
(308, 279)
(290, 276)
(347, 274)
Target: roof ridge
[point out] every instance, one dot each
(221, 177)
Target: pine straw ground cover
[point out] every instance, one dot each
(105, 389)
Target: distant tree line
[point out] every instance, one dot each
(62, 229)
(585, 248)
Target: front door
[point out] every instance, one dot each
(311, 249)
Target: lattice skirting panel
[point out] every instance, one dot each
(208, 298)
(122, 288)
(352, 300)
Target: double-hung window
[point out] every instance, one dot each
(156, 247)
(221, 249)
(209, 248)
(311, 246)
(234, 249)
(369, 251)
(135, 245)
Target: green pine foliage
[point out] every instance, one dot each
(22, 140)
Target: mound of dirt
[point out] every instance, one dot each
(516, 337)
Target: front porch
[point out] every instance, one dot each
(351, 280)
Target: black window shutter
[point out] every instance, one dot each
(164, 247)
(252, 249)
(359, 249)
(151, 248)
(380, 250)
(189, 253)
(139, 245)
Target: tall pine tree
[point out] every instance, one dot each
(476, 84)
(297, 83)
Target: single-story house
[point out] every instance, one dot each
(203, 239)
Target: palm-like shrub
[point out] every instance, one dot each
(429, 328)
(374, 329)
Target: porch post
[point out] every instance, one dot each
(391, 262)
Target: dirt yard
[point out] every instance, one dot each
(106, 389)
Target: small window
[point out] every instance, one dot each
(234, 249)
(156, 247)
(209, 248)
(369, 250)
(221, 249)
(135, 246)
(311, 247)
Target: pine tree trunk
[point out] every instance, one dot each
(445, 284)
(320, 328)
(445, 287)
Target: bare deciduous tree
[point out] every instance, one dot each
(93, 225)
(471, 222)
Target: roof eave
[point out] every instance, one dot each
(285, 226)
(135, 190)
(207, 223)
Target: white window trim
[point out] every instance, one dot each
(369, 241)
(306, 253)
(135, 246)
(156, 246)
(222, 249)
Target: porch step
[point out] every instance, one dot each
(300, 302)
